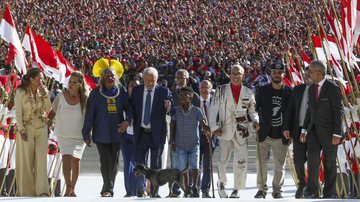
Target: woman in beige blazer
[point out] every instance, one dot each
(32, 104)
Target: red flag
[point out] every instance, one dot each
(9, 34)
(89, 81)
(305, 59)
(44, 56)
(295, 75)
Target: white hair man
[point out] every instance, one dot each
(233, 106)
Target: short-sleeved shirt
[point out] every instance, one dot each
(187, 127)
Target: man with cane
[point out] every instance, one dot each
(232, 108)
(207, 145)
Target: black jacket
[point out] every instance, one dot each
(263, 99)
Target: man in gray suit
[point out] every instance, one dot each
(322, 130)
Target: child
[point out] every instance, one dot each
(185, 137)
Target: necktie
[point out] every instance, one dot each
(316, 92)
(205, 109)
(147, 108)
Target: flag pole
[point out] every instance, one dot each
(343, 64)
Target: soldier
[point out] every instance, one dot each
(232, 108)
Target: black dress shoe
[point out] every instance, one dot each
(331, 196)
(260, 194)
(175, 194)
(155, 196)
(195, 193)
(106, 194)
(277, 195)
(206, 195)
(310, 196)
(141, 194)
(299, 193)
(235, 194)
(127, 195)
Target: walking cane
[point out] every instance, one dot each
(56, 179)
(292, 168)
(260, 163)
(211, 168)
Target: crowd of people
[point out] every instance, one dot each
(167, 68)
(203, 36)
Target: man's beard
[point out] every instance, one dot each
(277, 81)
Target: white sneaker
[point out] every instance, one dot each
(221, 190)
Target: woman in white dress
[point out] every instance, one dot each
(69, 112)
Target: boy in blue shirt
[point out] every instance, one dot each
(185, 138)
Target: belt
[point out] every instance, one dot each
(145, 130)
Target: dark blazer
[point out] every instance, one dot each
(104, 125)
(291, 121)
(203, 139)
(326, 114)
(158, 112)
(263, 99)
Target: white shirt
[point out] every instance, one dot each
(143, 109)
(303, 106)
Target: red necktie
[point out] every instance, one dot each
(316, 92)
(205, 110)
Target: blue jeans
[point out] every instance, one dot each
(190, 158)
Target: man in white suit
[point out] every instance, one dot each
(232, 109)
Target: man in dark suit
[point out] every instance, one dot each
(271, 104)
(322, 130)
(205, 158)
(293, 123)
(150, 103)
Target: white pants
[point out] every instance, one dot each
(239, 146)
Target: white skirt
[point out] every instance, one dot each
(71, 146)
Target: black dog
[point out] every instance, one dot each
(159, 177)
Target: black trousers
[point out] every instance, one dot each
(109, 163)
(205, 165)
(314, 145)
(142, 148)
(299, 160)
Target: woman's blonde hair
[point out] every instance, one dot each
(83, 89)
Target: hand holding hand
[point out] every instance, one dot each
(256, 126)
(88, 142)
(286, 134)
(123, 127)
(218, 132)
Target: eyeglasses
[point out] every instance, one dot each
(180, 78)
(237, 74)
